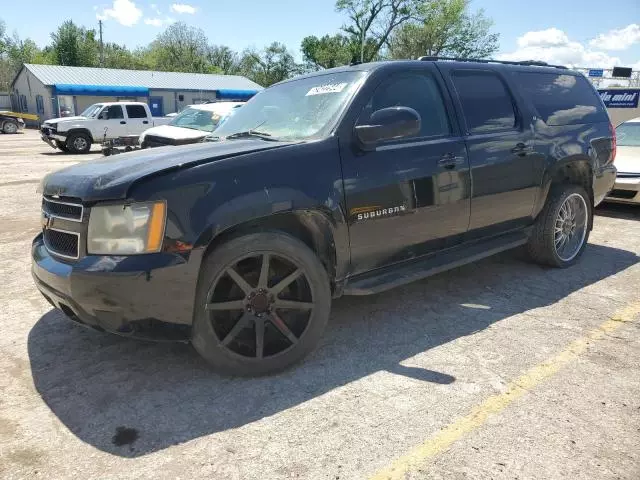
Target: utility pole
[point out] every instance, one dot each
(101, 45)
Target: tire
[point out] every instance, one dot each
(62, 146)
(228, 338)
(79, 143)
(546, 244)
(10, 127)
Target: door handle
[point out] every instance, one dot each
(448, 161)
(146, 122)
(521, 149)
(122, 122)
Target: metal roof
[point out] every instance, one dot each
(59, 74)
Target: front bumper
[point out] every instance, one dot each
(143, 296)
(50, 135)
(625, 190)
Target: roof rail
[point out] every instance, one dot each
(526, 63)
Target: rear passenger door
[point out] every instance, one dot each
(499, 139)
(407, 197)
(138, 121)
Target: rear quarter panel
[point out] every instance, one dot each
(583, 145)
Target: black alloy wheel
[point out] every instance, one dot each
(263, 310)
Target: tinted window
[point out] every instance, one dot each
(562, 99)
(419, 92)
(486, 103)
(136, 111)
(112, 112)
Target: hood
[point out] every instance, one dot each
(176, 133)
(627, 159)
(54, 121)
(110, 178)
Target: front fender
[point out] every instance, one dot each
(326, 224)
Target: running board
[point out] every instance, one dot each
(394, 276)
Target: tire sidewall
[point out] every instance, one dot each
(14, 129)
(557, 204)
(71, 139)
(207, 343)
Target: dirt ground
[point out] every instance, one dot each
(500, 369)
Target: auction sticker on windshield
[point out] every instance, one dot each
(330, 88)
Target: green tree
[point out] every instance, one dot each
(372, 22)
(271, 65)
(180, 48)
(119, 56)
(327, 52)
(223, 59)
(445, 28)
(3, 31)
(74, 45)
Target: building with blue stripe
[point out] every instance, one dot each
(53, 90)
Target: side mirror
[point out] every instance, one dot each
(388, 124)
(103, 115)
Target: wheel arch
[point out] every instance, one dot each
(312, 227)
(573, 170)
(80, 130)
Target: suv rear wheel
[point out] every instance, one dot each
(262, 303)
(561, 232)
(10, 127)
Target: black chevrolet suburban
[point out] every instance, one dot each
(347, 181)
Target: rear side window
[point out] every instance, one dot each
(486, 103)
(136, 111)
(417, 91)
(562, 99)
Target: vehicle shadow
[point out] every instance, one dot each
(133, 398)
(618, 210)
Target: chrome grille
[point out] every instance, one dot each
(62, 243)
(61, 209)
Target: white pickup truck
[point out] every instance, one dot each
(98, 122)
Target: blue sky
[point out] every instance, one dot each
(578, 32)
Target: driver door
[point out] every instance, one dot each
(407, 197)
(112, 118)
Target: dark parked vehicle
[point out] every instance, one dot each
(348, 181)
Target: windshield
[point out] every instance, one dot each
(628, 134)
(197, 119)
(92, 110)
(297, 110)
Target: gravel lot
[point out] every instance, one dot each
(492, 370)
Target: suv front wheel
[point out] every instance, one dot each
(262, 304)
(561, 231)
(79, 143)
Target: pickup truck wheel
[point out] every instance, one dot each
(561, 232)
(79, 143)
(61, 146)
(262, 303)
(10, 127)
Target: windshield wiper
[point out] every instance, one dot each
(252, 133)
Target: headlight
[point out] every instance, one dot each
(126, 229)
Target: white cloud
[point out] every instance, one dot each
(154, 7)
(551, 37)
(158, 22)
(124, 12)
(620, 39)
(155, 22)
(554, 46)
(183, 8)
